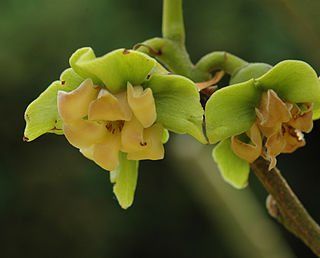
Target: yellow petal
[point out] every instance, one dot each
(272, 113)
(142, 104)
(84, 133)
(132, 136)
(249, 152)
(302, 121)
(88, 152)
(154, 148)
(106, 154)
(109, 107)
(74, 105)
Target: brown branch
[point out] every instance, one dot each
(286, 207)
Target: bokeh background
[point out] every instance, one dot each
(55, 203)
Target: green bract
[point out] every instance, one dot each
(124, 178)
(233, 169)
(231, 110)
(176, 99)
(252, 70)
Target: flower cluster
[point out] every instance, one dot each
(261, 116)
(280, 123)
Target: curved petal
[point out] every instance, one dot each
(142, 104)
(109, 107)
(231, 110)
(84, 133)
(272, 113)
(294, 139)
(248, 151)
(153, 144)
(132, 136)
(274, 146)
(234, 170)
(105, 154)
(302, 121)
(177, 104)
(293, 81)
(74, 105)
(114, 69)
(42, 114)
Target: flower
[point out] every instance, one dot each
(262, 116)
(101, 124)
(281, 123)
(117, 109)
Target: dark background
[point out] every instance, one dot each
(56, 203)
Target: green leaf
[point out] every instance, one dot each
(293, 81)
(42, 114)
(114, 69)
(250, 71)
(125, 178)
(178, 104)
(231, 110)
(234, 170)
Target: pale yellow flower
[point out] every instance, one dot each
(101, 123)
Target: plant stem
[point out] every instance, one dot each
(171, 51)
(291, 212)
(172, 21)
(172, 54)
(220, 60)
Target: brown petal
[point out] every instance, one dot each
(249, 152)
(302, 121)
(74, 105)
(109, 107)
(294, 139)
(274, 146)
(142, 104)
(272, 111)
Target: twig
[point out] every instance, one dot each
(286, 207)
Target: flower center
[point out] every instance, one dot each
(115, 126)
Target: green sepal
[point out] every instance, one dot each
(124, 178)
(293, 81)
(114, 69)
(250, 71)
(42, 114)
(165, 136)
(234, 170)
(231, 110)
(316, 111)
(178, 104)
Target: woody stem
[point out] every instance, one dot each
(286, 207)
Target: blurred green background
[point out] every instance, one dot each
(55, 203)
